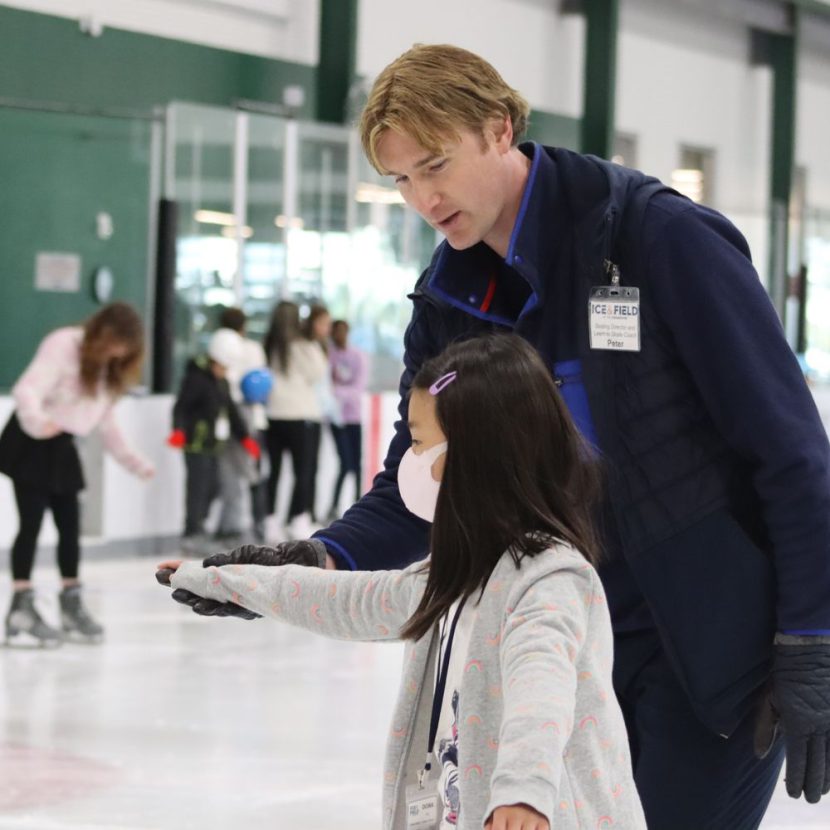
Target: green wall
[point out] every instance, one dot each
(44, 58)
(58, 170)
(555, 130)
(58, 173)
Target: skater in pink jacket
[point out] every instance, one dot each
(69, 389)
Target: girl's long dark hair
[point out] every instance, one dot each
(114, 323)
(518, 475)
(283, 330)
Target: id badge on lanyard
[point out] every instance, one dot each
(424, 805)
(614, 315)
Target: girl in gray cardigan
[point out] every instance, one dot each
(506, 717)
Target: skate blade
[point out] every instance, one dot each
(25, 640)
(76, 637)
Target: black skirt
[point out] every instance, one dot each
(50, 464)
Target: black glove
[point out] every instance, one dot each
(302, 552)
(309, 552)
(206, 607)
(799, 703)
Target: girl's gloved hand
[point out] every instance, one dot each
(309, 552)
(205, 607)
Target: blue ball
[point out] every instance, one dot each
(256, 385)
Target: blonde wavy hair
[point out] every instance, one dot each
(431, 92)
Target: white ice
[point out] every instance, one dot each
(180, 722)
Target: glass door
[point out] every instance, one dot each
(272, 208)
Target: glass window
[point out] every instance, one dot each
(272, 208)
(695, 175)
(625, 149)
(200, 169)
(817, 270)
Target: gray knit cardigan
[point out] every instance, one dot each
(538, 722)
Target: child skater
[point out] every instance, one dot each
(506, 716)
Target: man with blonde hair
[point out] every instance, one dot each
(651, 317)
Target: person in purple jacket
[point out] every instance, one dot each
(650, 316)
(348, 377)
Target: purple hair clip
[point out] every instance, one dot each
(442, 383)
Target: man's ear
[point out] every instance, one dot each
(502, 131)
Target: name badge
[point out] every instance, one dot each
(222, 431)
(424, 808)
(614, 318)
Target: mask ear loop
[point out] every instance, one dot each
(442, 383)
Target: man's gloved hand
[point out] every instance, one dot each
(799, 703)
(309, 552)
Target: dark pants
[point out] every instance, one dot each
(688, 778)
(259, 488)
(315, 431)
(32, 503)
(349, 442)
(201, 489)
(259, 504)
(295, 437)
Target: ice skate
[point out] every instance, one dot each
(25, 628)
(273, 531)
(301, 527)
(197, 544)
(78, 624)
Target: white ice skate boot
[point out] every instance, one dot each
(301, 527)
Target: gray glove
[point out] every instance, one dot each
(799, 703)
(310, 552)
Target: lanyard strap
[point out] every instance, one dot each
(440, 684)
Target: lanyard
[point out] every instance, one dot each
(438, 697)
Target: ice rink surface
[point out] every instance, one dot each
(181, 722)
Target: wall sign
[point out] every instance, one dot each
(57, 272)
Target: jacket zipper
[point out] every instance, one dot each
(561, 380)
(611, 269)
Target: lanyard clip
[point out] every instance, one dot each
(613, 270)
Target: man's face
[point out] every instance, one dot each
(463, 192)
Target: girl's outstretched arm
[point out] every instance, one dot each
(348, 605)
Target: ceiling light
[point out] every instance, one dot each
(214, 217)
(230, 232)
(283, 221)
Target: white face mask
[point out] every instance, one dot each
(418, 489)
